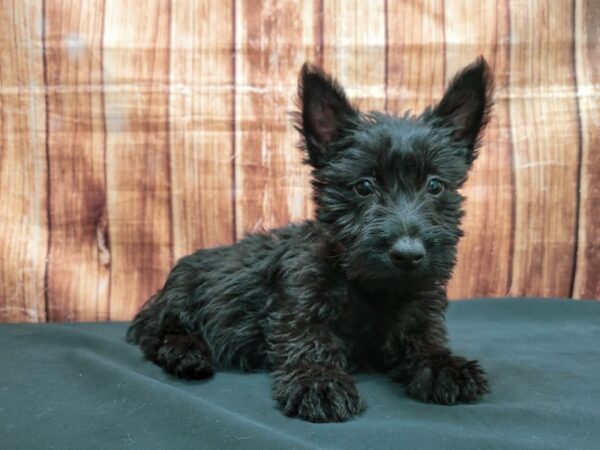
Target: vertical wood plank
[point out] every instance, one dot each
(587, 46)
(273, 39)
(354, 38)
(473, 29)
(23, 168)
(415, 55)
(79, 258)
(201, 120)
(545, 140)
(136, 77)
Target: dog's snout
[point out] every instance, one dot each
(407, 252)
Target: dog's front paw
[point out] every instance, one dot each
(447, 381)
(317, 394)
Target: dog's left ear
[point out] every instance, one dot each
(466, 104)
(325, 112)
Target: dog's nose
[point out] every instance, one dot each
(408, 252)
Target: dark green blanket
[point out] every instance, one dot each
(81, 386)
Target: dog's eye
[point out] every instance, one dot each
(435, 186)
(364, 187)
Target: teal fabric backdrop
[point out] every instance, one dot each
(81, 386)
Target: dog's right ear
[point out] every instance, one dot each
(325, 112)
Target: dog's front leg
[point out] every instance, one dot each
(310, 380)
(418, 357)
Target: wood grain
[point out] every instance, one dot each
(416, 73)
(79, 258)
(273, 40)
(587, 46)
(485, 252)
(136, 77)
(201, 124)
(23, 168)
(545, 138)
(354, 34)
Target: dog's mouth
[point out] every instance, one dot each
(380, 268)
(410, 275)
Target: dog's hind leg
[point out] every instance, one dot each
(164, 340)
(185, 356)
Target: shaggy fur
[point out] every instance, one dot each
(361, 287)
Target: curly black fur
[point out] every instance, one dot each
(362, 287)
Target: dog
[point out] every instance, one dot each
(362, 287)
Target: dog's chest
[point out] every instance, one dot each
(364, 327)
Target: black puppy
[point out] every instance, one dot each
(362, 287)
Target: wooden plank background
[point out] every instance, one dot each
(128, 140)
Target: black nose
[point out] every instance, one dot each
(408, 252)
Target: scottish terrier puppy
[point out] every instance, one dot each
(361, 287)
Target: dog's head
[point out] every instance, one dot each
(386, 186)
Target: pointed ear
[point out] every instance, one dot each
(466, 104)
(325, 112)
